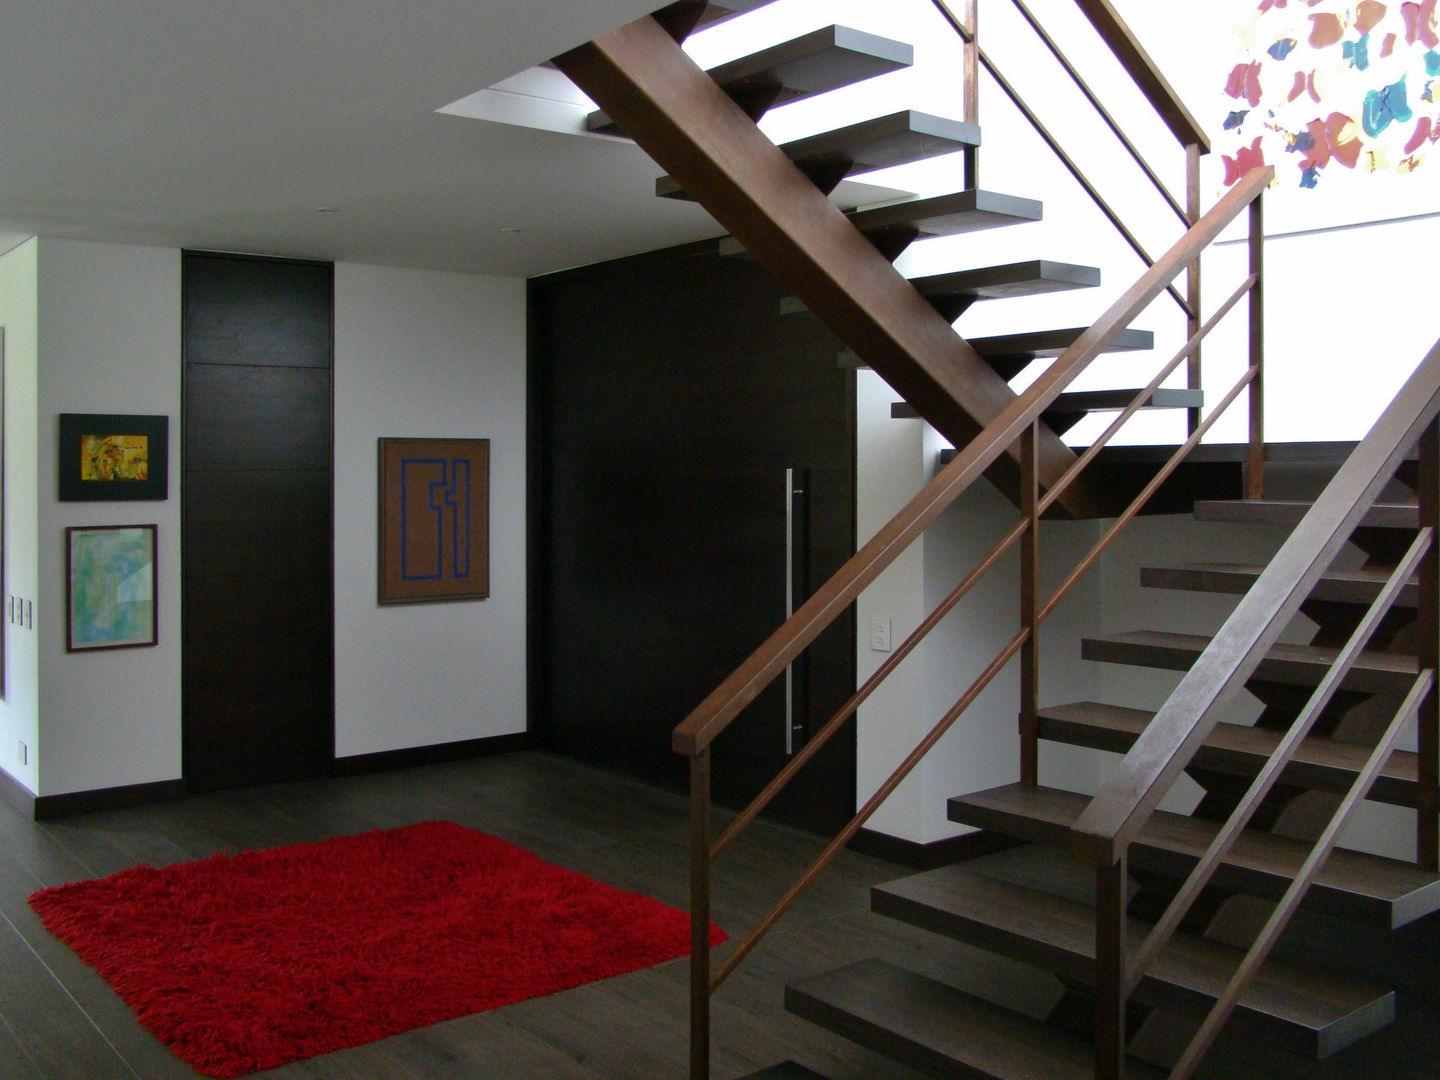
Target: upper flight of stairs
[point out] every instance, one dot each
(836, 56)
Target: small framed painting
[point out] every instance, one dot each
(109, 587)
(434, 520)
(106, 457)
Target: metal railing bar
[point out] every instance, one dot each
(1165, 748)
(883, 792)
(821, 737)
(962, 25)
(1078, 173)
(1096, 104)
(1239, 819)
(1290, 902)
(1138, 504)
(1092, 451)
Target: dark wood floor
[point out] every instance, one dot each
(58, 1021)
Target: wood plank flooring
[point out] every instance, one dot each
(59, 1021)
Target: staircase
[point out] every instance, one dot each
(1136, 920)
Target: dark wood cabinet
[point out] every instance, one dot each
(257, 553)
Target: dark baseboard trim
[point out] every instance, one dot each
(17, 795)
(918, 856)
(49, 807)
(438, 754)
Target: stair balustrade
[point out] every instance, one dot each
(1015, 430)
(1166, 747)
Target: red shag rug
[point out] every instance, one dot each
(249, 961)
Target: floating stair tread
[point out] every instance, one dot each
(1351, 884)
(1029, 278)
(1309, 1011)
(815, 63)
(1337, 586)
(899, 138)
(787, 1070)
(1301, 665)
(950, 215)
(1271, 512)
(1088, 401)
(1040, 343)
(938, 1029)
(721, 10)
(1234, 748)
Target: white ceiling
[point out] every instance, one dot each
(228, 125)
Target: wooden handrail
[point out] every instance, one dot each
(1104, 831)
(1146, 73)
(716, 712)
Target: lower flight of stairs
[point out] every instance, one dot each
(1293, 1006)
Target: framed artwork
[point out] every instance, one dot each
(109, 587)
(434, 520)
(106, 458)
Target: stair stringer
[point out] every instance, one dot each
(662, 100)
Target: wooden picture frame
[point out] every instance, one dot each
(434, 520)
(109, 457)
(110, 587)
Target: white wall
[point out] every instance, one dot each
(434, 355)
(109, 343)
(20, 709)
(97, 328)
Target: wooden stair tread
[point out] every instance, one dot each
(1351, 884)
(879, 143)
(1273, 512)
(1233, 748)
(717, 11)
(1028, 278)
(939, 1029)
(786, 1070)
(960, 212)
(1069, 409)
(896, 225)
(815, 63)
(1042, 343)
(1300, 665)
(1339, 586)
(1308, 1011)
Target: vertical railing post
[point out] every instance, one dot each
(1029, 603)
(700, 915)
(1110, 1038)
(1255, 466)
(1427, 814)
(1194, 372)
(971, 16)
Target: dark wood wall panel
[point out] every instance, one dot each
(258, 542)
(670, 396)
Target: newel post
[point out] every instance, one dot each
(700, 915)
(1110, 1038)
(1427, 811)
(1255, 467)
(1029, 600)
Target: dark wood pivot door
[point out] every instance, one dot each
(670, 398)
(258, 603)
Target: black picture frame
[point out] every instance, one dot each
(78, 479)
